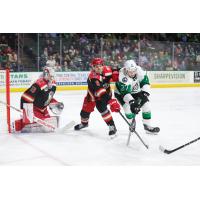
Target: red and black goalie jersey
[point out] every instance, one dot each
(40, 94)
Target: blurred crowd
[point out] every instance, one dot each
(8, 56)
(73, 51)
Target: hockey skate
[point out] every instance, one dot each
(80, 126)
(151, 130)
(112, 131)
(132, 126)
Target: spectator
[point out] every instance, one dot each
(65, 67)
(143, 60)
(12, 59)
(118, 47)
(3, 40)
(51, 62)
(45, 53)
(57, 67)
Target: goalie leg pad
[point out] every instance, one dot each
(36, 128)
(27, 113)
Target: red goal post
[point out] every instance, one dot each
(5, 124)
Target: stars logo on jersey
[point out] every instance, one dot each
(135, 87)
(124, 79)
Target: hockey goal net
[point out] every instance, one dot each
(5, 126)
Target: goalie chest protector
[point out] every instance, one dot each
(40, 93)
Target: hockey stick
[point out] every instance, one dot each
(128, 141)
(180, 147)
(129, 138)
(43, 122)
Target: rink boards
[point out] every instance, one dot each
(78, 80)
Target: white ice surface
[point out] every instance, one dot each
(175, 111)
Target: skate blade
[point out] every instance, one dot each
(151, 133)
(112, 136)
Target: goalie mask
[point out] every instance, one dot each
(130, 68)
(49, 74)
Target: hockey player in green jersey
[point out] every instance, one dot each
(132, 92)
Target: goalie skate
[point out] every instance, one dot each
(151, 130)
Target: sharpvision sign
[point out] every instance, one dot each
(170, 77)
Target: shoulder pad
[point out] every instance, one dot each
(41, 83)
(94, 75)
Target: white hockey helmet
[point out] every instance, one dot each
(49, 73)
(130, 68)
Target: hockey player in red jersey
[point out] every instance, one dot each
(35, 100)
(99, 94)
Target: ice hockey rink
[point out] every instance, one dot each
(174, 110)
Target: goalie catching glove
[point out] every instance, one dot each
(56, 108)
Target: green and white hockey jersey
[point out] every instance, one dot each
(127, 85)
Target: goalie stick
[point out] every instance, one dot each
(180, 147)
(129, 136)
(43, 122)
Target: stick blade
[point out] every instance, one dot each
(164, 150)
(66, 127)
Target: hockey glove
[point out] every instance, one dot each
(145, 94)
(135, 106)
(115, 76)
(114, 105)
(144, 97)
(56, 108)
